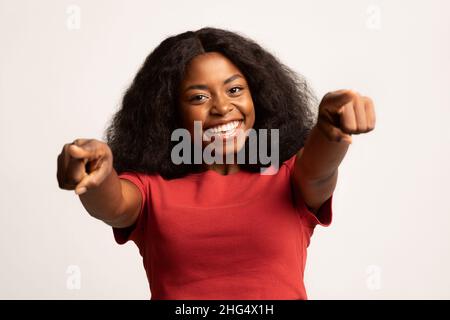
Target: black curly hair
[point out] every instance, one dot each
(139, 134)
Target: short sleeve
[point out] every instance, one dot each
(324, 215)
(136, 231)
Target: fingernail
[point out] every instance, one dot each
(80, 191)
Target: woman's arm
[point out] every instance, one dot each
(86, 166)
(341, 113)
(116, 201)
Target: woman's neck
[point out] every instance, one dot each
(223, 169)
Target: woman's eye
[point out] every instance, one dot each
(235, 90)
(198, 98)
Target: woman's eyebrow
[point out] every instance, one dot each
(233, 77)
(205, 87)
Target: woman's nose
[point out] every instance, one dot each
(221, 106)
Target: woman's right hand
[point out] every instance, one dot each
(84, 164)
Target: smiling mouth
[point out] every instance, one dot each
(224, 131)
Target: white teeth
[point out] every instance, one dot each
(224, 129)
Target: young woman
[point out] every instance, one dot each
(217, 230)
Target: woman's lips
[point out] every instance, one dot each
(225, 135)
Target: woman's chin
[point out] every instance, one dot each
(227, 150)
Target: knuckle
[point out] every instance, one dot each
(74, 179)
(66, 186)
(328, 94)
(109, 152)
(81, 141)
(349, 127)
(102, 149)
(62, 185)
(93, 182)
(351, 93)
(71, 181)
(99, 144)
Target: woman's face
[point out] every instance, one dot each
(215, 93)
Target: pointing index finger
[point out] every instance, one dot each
(78, 152)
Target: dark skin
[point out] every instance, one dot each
(213, 91)
(206, 96)
(220, 94)
(342, 113)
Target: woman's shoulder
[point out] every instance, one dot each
(290, 162)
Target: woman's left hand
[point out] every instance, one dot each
(343, 113)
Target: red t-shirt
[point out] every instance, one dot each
(209, 236)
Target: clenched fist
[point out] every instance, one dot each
(343, 113)
(84, 164)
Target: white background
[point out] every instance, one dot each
(390, 235)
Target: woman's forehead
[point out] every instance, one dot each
(210, 66)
